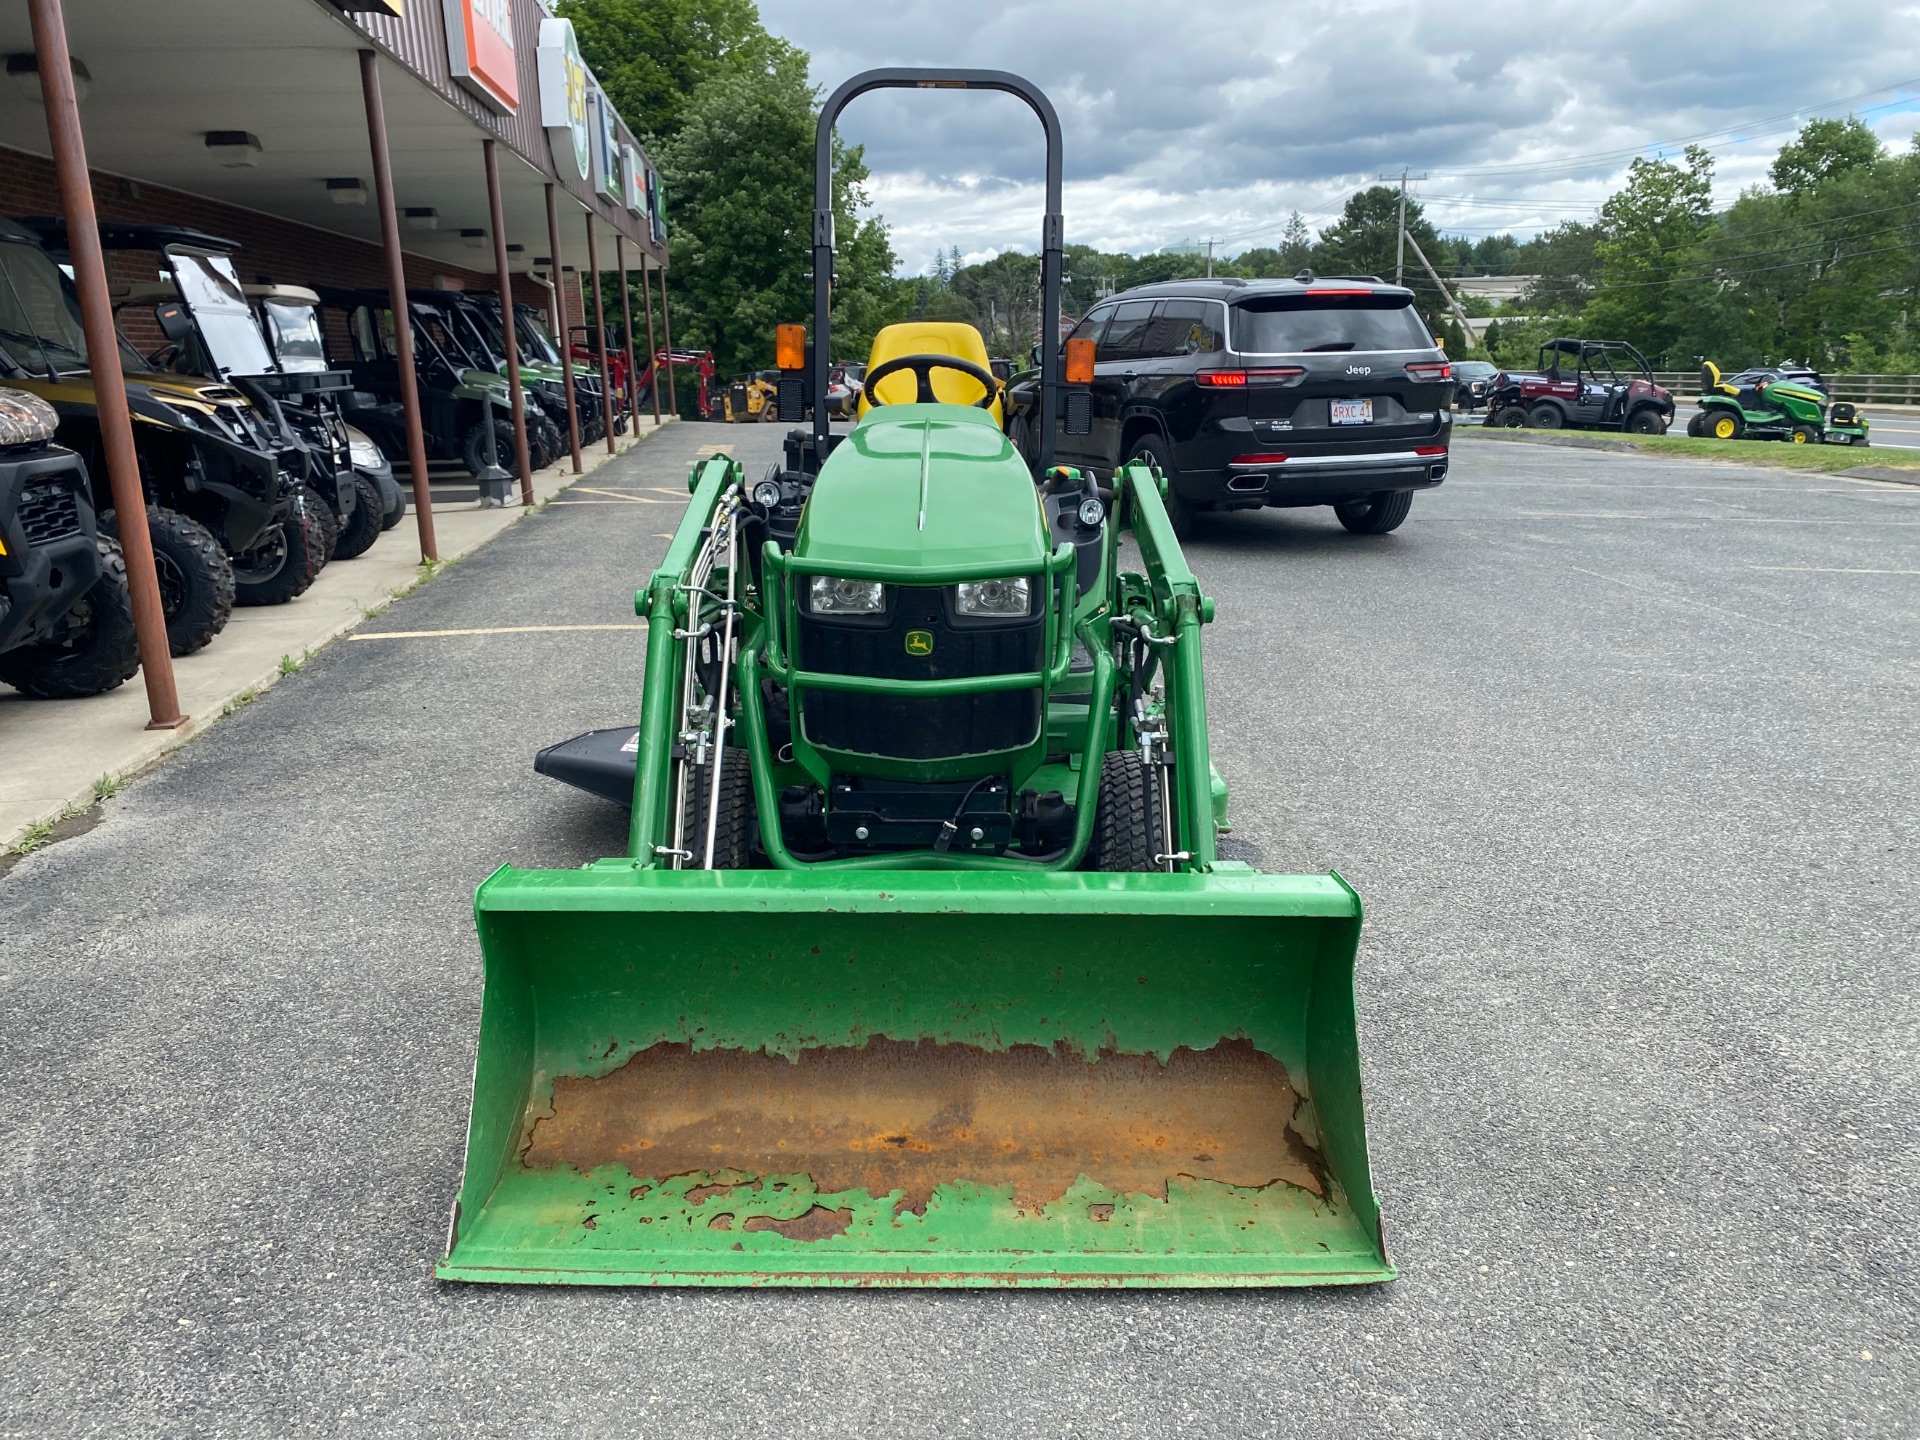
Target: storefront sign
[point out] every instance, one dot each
(656, 207)
(633, 182)
(480, 47)
(563, 99)
(606, 149)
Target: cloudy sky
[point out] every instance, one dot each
(1186, 119)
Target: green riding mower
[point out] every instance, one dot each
(923, 966)
(1758, 405)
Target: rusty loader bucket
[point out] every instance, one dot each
(916, 1078)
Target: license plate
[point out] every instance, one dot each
(1352, 412)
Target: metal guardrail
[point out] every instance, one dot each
(1859, 389)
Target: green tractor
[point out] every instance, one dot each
(923, 966)
(1762, 405)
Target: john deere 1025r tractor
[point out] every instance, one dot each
(923, 966)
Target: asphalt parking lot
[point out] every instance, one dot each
(1618, 750)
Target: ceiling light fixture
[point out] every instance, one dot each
(474, 239)
(25, 70)
(235, 149)
(422, 217)
(346, 190)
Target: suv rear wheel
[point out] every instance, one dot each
(1377, 514)
(1180, 511)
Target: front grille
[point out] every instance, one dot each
(49, 513)
(920, 727)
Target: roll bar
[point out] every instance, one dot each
(1051, 230)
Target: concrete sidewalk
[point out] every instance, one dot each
(58, 751)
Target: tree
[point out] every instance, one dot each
(1823, 149)
(1649, 290)
(739, 185)
(1564, 259)
(1365, 239)
(651, 55)
(1004, 294)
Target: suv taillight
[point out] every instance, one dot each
(1240, 379)
(1429, 370)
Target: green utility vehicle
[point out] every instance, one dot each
(542, 368)
(1761, 405)
(923, 967)
(465, 328)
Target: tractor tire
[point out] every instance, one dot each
(1697, 424)
(195, 575)
(94, 651)
(1804, 435)
(1546, 417)
(363, 526)
(1377, 514)
(326, 525)
(283, 565)
(1646, 421)
(473, 447)
(1725, 425)
(1020, 432)
(1180, 510)
(1126, 818)
(733, 836)
(1511, 417)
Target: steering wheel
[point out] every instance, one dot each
(922, 367)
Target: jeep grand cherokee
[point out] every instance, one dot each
(1249, 393)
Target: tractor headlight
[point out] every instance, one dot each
(830, 595)
(993, 597)
(766, 495)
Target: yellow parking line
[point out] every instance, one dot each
(495, 630)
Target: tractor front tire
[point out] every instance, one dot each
(733, 835)
(1180, 511)
(94, 652)
(1804, 435)
(1725, 425)
(362, 527)
(1546, 417)
(1127, 817)
(195, 575)
(1377, 514)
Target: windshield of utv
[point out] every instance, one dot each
(1312, 324)
(40, 318)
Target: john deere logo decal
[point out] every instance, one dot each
(919, 642)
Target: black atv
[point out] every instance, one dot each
(66, 619)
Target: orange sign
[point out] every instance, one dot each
(480, 47)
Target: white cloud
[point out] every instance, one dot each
(1220, 120)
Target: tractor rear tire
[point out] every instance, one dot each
(195, 575)
(95, 650)
(1377, 514)
(734, 835)
(1510, 417)
(362, 527)
(1646, 421)
(1180, 511)
(1126, 820)
(1546, 417)
(1804, 435)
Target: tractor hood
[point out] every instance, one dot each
(980, 504)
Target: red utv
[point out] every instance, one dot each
(1582, 385)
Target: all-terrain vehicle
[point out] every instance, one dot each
(1582, 385)
(222, 480)
(923, 966)
(66, 619)
(466, 409)
(1761, 405)
(474, 331)
(542, 368)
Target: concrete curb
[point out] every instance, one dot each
(60, 750)
(1893, 473)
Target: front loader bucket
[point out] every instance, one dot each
(916, 1078)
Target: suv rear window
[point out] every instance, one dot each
(1303, 324)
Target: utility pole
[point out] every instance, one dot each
(1466, 330)
(1400, 243)
(1209, 258)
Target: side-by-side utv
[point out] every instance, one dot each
(923, 966)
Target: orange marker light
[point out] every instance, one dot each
(790, 347)
(1079, 362)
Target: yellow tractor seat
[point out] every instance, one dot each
(930, 337)
(1711, 383)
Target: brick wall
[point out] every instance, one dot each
(273, 251)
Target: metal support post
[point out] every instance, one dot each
(653, 352)
(557, 301)
(397, 298)
(103, 360)
(497, 214)
(607, 406)
(626, 317)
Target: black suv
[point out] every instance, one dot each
(1310, 391)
